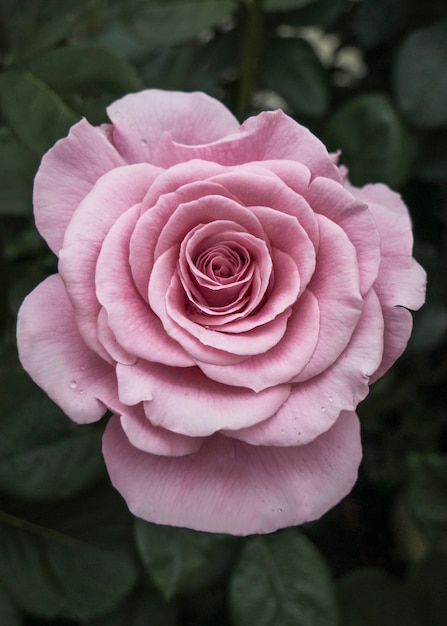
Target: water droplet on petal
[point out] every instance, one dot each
(73, 384)
(144, 142)
(330, 398)
(323, 409)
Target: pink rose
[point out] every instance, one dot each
(227, 297)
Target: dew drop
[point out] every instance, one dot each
(330, 398)
(73, 384)
(323, 409)
(144, 142)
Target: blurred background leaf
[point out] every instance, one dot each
(282, 579)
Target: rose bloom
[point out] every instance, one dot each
(228, 297)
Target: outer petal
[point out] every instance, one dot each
(401, 280)
(66, 175)
(333, 201)
(269, 135)
(55, 356)
(336, 286)
(140, 120)
(189, 403)
(398, 327)
(268, 488)
(112, 196)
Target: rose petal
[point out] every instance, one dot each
(155, 439)
(269, 135)
(187, 402)
(332, 200)
(336, 286)
(283, 294)
(112, 196)
(398, 327)
(55, 356)
(175, 214)
(132, 322)
(199, 342)
(268, 488)
(140, 120)
(282, 362)
(66, 174)
(314, 405)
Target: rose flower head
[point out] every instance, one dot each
(228, 297)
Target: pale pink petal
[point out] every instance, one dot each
(187, 402)
(232, 487)
(336, 286)
(401, 280)
(392, 219)
(66, 174)
(402, 287)
(261, 189)
(55, 356)
(314, 405)
(133, 324)
(398, 327)
(155, 439)
(176, 213)
(282, 362)
(197, 340)
(332, 200)
(140, 120)
(269, 135)
(112, 196)
(284, 293)
(108, 340)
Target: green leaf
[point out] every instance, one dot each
(42, 454)
(162, 22)
(371, 597)
(282, 579)
(286, 5)
(177, 559)
(377, 21)
(427, 496)
(426, 584)
(67, 561)
(420, 79)
(9, 615)
(322, 12)
(85, 76)
(35, 113)
(17, 168)
(37, 25)
(191, 66)
(144, 608)
(293, 70)
(376, 146)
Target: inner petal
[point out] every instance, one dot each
(222, 267)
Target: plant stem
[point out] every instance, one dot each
(251, 16)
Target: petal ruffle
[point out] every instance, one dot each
(269, 488)
(114, 194)
(269, 135)
(57, 359)
(141, 119)
(66, 175)
(187, 402)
